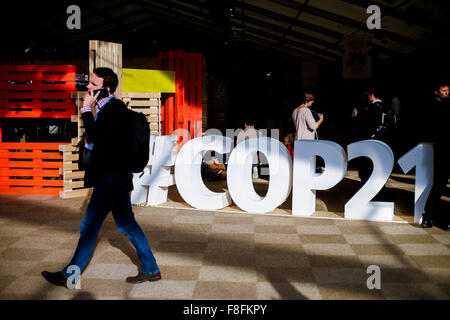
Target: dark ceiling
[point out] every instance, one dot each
(311, 30)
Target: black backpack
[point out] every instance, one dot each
(138, 148)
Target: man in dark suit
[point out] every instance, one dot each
(111, 178)
(435, 130)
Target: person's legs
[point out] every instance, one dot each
(126, 223)
(100, 205)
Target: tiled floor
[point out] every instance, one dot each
(221, 255)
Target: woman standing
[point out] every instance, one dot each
(305, 124)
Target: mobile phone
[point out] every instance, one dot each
(103, 93)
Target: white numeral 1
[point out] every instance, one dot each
(421, 157)
(359, 206)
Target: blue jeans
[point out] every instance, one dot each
(111, 193)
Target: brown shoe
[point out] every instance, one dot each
(142, 277)
(55, 278)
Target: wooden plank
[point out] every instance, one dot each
(70, 157)
(73, 184)
(141, 94)
(31, 145)
(37, 181)
(143, 103)
(30, 190)
(37, 86)
(36, 76)
(70, 166)
(35, 95)
(67, 148)
(40, 68)
(37, 104)
(85, 192)
(73, 175)
(31, 172)
(36, 154)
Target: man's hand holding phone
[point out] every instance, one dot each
(90, 98)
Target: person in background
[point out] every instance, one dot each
(305, 124)
(288, 143)
(250, 132)
(435, 130)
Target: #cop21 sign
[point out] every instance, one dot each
(286, 175)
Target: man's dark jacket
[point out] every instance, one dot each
(109, 135)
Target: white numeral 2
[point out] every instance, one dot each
(360, 206)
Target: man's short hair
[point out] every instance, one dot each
(438, 85)
(374, 91)
(307, 96)
(109, 78)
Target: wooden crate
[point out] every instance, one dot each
(148, 103)
(36, 91)
(73, 177)
(30, 168)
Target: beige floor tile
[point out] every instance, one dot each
(432, 261)
(24, 254)
(273, 220)
(179, 258)
(36, 287)
(276, 238)
(334, 261)
(164, 289)
(233, 228)
(225, 290)
(328, 249)
(8, 241)
(315, 229)
(180, 235)
(348, 291)
(15, 268)
(190, 227)
(438, 275)
(285, 229)
(360, 229)
(287, 291)
(388, 261)
(414, 291)
(5, 281)
(38, 242)
(282, 260)
(406, 275)
(108, 271)
(178, 246)
(376, 249)
(413, 238)
(231, 247)
(227, 274)
(7, 231)
(184, 273)
(112, 257)
(300, 221)
(403, 229)
(322, 238)
(231, 238)
(340, 275)
(425, 249)
(193, 219)
(367, 239)
(229, 259)
(279, 248)
(284, 274)
(233, 220)
(442, 238)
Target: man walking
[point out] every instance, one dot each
(111, 178)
